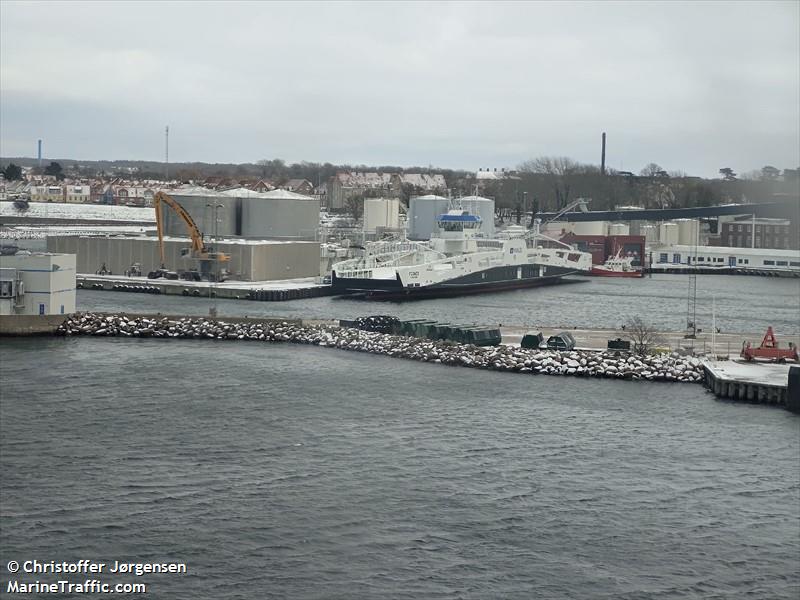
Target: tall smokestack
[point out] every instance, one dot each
(603, 156)
(40, 153)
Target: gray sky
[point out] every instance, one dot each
(690, 86)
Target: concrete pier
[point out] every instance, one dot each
(265, 291)
(760, 383)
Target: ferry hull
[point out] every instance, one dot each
(492, 280)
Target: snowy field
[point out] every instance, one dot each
(96, 212)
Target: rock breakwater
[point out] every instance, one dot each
(578, 363)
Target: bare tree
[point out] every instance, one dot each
(651, 170)
(355, 206)
(560, 170)
(643, 336)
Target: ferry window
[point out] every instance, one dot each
(701, 259)
(781, 263)
(747, 261)
(41, 309)
(62, 309)
(5, 289)
(740, 261)
(676, 258)
(662, 258)
(794, 264)
(769, 262)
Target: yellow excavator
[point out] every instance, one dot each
(204, 255)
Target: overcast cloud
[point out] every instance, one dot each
(691, 86)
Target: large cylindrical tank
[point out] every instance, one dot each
(202, 205)
(483, 207)
(688, 231)
(668, 233)
(650, 233)
(422, 214)
(589, 228)
(618, 229)
(280, 214)
(381, 212)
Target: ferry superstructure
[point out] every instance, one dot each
(454, 262)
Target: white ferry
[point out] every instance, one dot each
(454, 262)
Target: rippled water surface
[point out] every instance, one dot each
(743, 304)
(279, 471)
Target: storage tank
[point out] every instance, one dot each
(201, 204)
(279, 214)
(589, 227)
(618, 229)
(422, 214)
(688, 231)
(668, 234)
(650, 233)
(381, 212)
(483, 207)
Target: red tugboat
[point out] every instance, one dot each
(769, 350)
(617, 266)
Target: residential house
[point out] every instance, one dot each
(77, 194)
(299, 186)
(261, 186)
(346, 184)
(47, 193)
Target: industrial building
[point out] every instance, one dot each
(250, 260)
(37, 284)
(763, 259)
(279, 214)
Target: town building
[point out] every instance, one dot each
(349, 184)
(759, 233)
(299, 186)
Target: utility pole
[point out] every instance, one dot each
(166, 154)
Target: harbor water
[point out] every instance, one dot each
(280, 471)
(743, 304)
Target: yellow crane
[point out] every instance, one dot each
(198, 251)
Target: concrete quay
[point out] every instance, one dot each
(757, 382)
(265, 291)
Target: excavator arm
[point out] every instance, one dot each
(199, 249)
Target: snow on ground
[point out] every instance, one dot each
(41, 232)
(280, 284)
(754, 372)
(98, 212)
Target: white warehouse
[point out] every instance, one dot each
(39, 284)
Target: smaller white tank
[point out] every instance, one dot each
(688, 231)
(650, 233)
(618, 229)
(668, 233)
(589, 228)
(381, 212)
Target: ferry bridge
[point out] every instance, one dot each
(784, 208)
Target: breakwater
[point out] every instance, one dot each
(663, 367)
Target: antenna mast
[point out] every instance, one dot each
(166, 154)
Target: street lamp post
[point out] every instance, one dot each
(215, 275)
